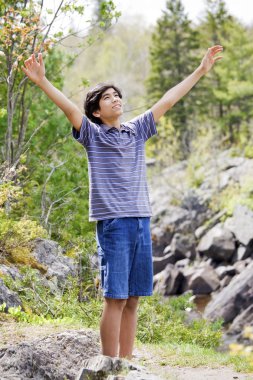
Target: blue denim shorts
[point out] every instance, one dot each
(125, 257)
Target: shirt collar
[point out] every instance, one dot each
(123, 127)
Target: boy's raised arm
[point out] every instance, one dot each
(172, 96)
(35, 70)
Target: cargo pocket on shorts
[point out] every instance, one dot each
(102, 266)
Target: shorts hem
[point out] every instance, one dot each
(143, 294)
(115, 296)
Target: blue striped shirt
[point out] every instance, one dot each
(117, 169)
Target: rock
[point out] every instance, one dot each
(159, 263)
(96, 368)
(163, 232)
(202, 230)
(160, 239)
(240, 266)
(183, 247)
(241, 224)
(225, 281)
(243, 319)
(181, 264)
(8, 297)
(168, 281)
(72, 355)
(203, 280)
(11, 271)
(217, 244)
(241, 254)
(223, 271)
(234, 298)
(50, 253)
(100, 366)
(54, 357)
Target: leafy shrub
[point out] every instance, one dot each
(233, 195)
(164, 321)
(16, 236)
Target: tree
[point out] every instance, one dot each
(26, 28)
(173, 56)
(229, 86)
(33, 132)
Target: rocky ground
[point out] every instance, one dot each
(18, 342)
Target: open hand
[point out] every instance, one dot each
(210, 58)
(35, 70)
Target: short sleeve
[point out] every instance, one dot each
(145, 125)
(86, 132)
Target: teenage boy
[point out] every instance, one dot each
(119, 200)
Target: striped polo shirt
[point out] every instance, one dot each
(117, 170)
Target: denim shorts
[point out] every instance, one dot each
(125, 257)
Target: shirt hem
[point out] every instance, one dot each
(97, 218)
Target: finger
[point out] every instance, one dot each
(41, 59)
(218, 58)
(24, 69)
(33, 58)
(27, 63)
(216, 46)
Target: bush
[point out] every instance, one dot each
(164, 321)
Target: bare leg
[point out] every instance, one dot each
(128, 327)
(110, 325)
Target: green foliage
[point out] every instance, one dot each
(234, 195)
(203, 148)
(243, 351)
(129, 43)
(44, 301)
(248, 151)
(165, 146)
(229, 91)
(16, 235)
(159, 321)
(164, 321)
(173, 56)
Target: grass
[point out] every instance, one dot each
(193, 356)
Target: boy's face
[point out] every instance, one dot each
(110, 106)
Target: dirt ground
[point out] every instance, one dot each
(12, 333)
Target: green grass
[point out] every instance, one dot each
(189, 355)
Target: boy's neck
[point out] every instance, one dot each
(112, 122)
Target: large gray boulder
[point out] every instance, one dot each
(72, 355)
(168, 281)
(242, 320)
(234, 298)
(218, 244)
(241, 224)
(50, 254)
(160, 263)
(55, 357)
(183, 247)
(201, 280)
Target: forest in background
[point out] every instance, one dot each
(50, 168)
(43, 171)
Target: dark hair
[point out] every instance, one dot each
(93, 97)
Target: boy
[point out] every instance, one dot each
(119, 199)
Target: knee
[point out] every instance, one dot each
(117, 304)
(132, 303)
